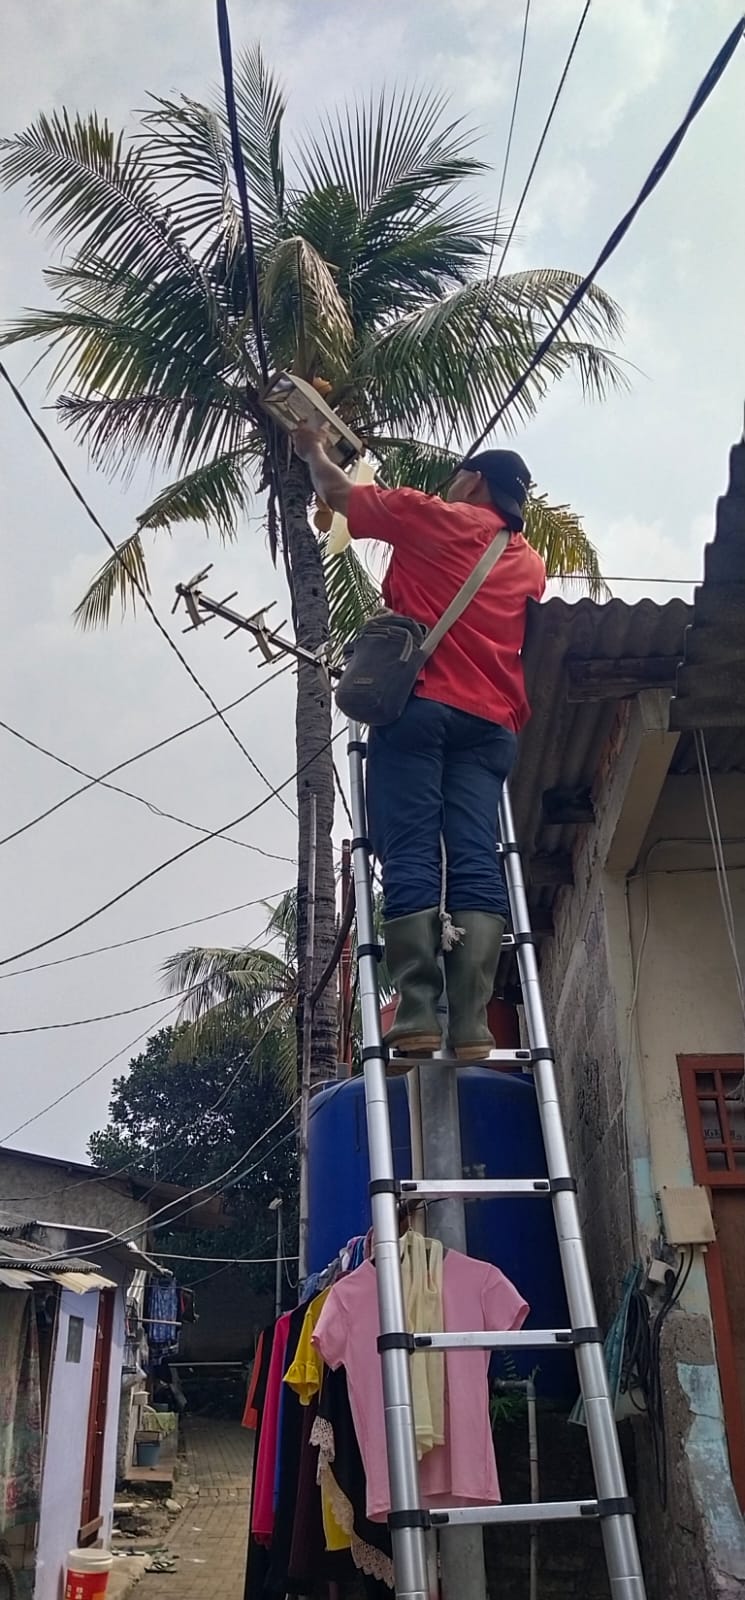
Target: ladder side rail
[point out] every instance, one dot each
(619, 1533)
(409, 1544)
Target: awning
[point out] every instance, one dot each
(78, 1282)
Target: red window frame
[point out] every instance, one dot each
(720, 1073)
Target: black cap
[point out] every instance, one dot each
(508, 479)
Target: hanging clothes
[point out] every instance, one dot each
(475, 1297)
(162, 1313)
(250, 1418)
(262, 1524)
(256, 1555)
(342, 1478)
(421, 1275)
(305, 1376)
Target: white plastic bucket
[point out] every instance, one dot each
(87, 1574)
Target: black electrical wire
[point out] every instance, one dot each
(130, 760)
(544, 135)
(135, 581)
(158, 811)
(85, 1022)
(169, 862)
(483, 314)
(642, 1363)
(109, 1061)
(660, 167)
(89, 1076)
(139, 938)
(226, 59)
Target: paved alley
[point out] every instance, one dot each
(210, 1535)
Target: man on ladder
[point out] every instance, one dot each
(435, 775)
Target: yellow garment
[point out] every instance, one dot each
(305, 1376)
(334, 1536)
(421, 1272)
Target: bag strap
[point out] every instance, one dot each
(466, 592)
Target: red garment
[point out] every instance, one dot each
(477, 667)
(262, 1522)
(250, 1415)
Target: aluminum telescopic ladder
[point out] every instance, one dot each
(407, 1521)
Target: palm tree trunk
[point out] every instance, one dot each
(315, 765)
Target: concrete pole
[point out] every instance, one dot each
(462, 1568)
(306, 1063)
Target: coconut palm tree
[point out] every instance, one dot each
(370, 261)
(249, 995)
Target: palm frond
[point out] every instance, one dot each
(301, 298)
(86, 187)
(120, 432)
(557, 534)
(260, 108)
(413, 463)
(215, 494)
(353, 597)
(282, 924)
(118, 578)
(248, 978)
(448, 365)
(390, 153)
(184, 145)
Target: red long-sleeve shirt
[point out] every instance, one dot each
(435, 546)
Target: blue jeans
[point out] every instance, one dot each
(438, 771)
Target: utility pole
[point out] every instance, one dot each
(306, 1063)
(345, 972)
(462, 1567)
(276, 1205)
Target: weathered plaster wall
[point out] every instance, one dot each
(619, 1022)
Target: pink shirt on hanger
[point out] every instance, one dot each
(476, 1298)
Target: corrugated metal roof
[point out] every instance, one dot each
(561, 745)
(710, 688)
(24, 1264)
(22, 1255)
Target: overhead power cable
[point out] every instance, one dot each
(510, 132)
(151, 1224)
(485, 309)
(205, 1112)
(137, 584)
(544, 135)
(85, 1022)
(661, 165)
(130, 760)
(149, 805)
(115, 899)
(139, 938)
(89, 1076)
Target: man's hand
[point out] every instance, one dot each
(308, 439)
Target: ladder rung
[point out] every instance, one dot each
(473, 1188)
(527, 1338)
(540, 1511)
(502, 1058)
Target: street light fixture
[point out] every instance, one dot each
(290, 401)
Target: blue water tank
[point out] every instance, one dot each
(500, 1138)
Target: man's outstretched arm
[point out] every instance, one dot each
(330, 483)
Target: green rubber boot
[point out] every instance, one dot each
(411, 950)
(470, 972)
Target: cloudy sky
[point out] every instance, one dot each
(644, 469)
